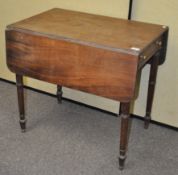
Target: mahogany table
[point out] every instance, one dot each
(95, 54)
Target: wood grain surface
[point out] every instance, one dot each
(89, 69)
(100, 31)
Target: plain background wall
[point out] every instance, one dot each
(160, 11)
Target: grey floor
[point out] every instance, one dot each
(69, 139)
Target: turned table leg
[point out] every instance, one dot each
(151, 89)
(20, 94)
(125, 115)
(59, 93)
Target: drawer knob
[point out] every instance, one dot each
(159, 43)
(143, 57)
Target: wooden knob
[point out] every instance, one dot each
(159, 43)
(143, 57)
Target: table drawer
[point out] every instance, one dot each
(150, 51)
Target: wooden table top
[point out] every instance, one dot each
(94, 30)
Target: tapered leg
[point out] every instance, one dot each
(124, 114)
(151, 89)
(20, 93)
(59, 93)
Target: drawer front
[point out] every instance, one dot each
(94, 70)
(150, 51)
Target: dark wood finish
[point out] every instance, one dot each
(72, 65)
(130, 9)
(59, 93)
(148, 53)
(94, 30)
(164, 48)
(151, 88)
(20, 94)
(124, 132)
(95, 54)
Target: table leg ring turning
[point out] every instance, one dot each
(22, 124)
